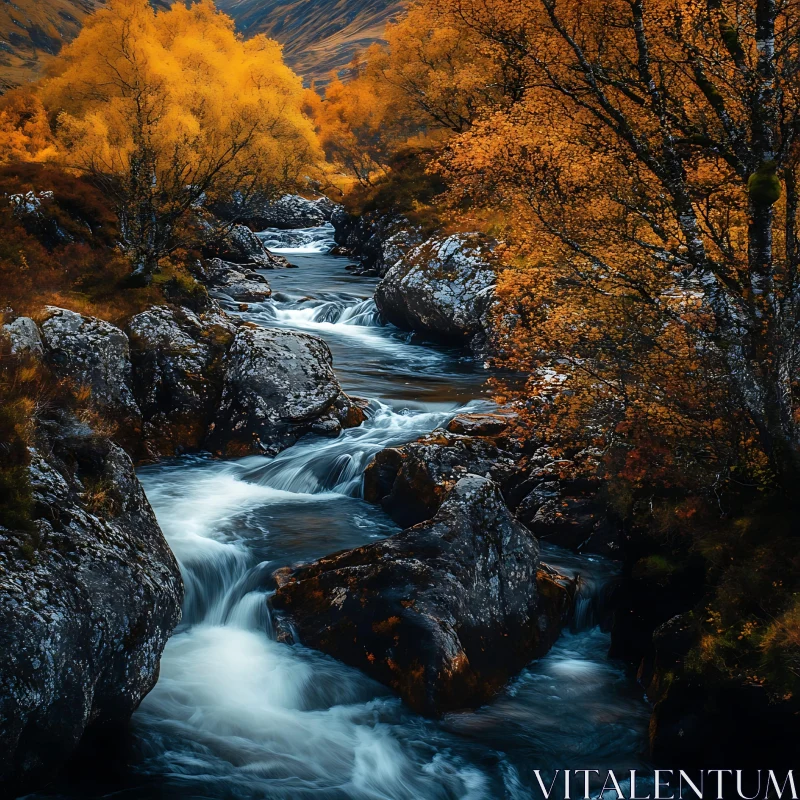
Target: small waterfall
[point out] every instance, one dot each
(593, 575)
(337, 465)
(234, 711)
(237, 716)
(322, 309)
(299, 241)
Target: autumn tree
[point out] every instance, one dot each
(170, 109)
(355, 126)
(649, 171)
(434, 75)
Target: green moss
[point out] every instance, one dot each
(710, 91)
(180, 288)
(16, 501)
(731, 38)
(654, 567)
(764, 186)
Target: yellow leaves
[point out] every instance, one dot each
(186, 85)
(24, 129)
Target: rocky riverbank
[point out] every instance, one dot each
(176, 381)
(444, 613)
(89, 594)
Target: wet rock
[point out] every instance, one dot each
(291, 211)
(177, 359)
(89, 595)
(443, 288)
(276, 385)
(93, 353)
(571, 514)
(241, 246)
(326, 207)
(444, 613)
(411, 482)
(491, 425)
(236, 282)
(24, 336)
(379, 241)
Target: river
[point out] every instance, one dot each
(236, 715)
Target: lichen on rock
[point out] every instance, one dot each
(89, 594)
(443, 288)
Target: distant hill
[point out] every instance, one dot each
(318, 35)
(33, 31)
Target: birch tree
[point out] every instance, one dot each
(651, 172)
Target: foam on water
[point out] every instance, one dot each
(242, 714)
(299, 241)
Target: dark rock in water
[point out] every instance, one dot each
(379, 241)
(411, 481)
(177, 357)
(237, 282)
(444, 613)
(444, 288)
(88, 597)
(276, 385)
(93, 353)
(485, 424)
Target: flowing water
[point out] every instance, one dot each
(236, 715)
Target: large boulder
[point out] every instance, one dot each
(89, 594)
(411, 481)
(177, 357)
(277, 385)
(444, 613)
(95, 354)
(443, 288)
(239, 245)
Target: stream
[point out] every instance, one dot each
(236, 715)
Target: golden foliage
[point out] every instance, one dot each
(651, 215)
(172, 107)
(25, 133)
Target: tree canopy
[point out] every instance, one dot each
(645, 157)
(165, 108)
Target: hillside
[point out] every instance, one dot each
(318, 35)
(33, 31)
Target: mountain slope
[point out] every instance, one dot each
(33, 31)
(318, 35)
